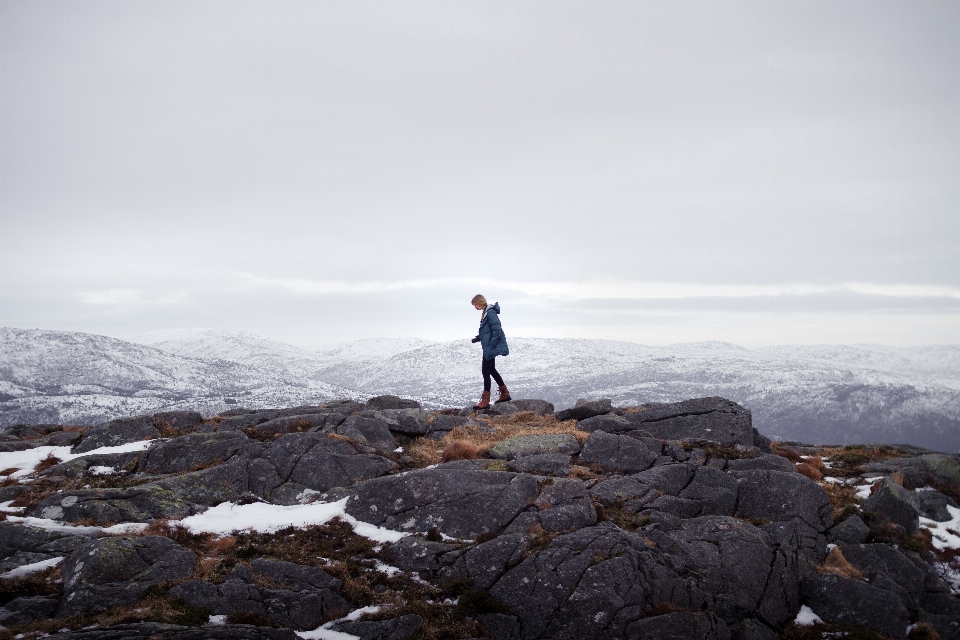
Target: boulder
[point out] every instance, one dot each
(459, 503)
(296, 424)
(117, 432)
(410, 422)
(769, 462)
(609, 422)
(532, 445)
(378, 403)
(779, 496)
(112, 572)
(682, 625)
(370, 431)
(184, 453)
(27, 609)
(619, 454)
(392, 629)
(184, 421)
(851, 530)
(78, 466)
(933, 505)
(752, 630)
(137, 504)
(481, 565)
(414, 554)
(585, 409)
(443, 424)
(540, 407)
(714, 418)
(551, 464)
(897, 504)
(840, 600)
(565, 506)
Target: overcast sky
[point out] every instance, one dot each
(760, 172)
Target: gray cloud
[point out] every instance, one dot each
(169, 163)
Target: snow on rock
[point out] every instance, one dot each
(79, 530)
(27, 569)
(324, 631)
(946, 535)
(26, 461)
(264, 517)
(806, 617)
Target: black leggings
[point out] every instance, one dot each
(489, 368)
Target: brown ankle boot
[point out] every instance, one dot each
(484, 401)
(504, 394)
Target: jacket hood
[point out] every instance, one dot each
(495, 307)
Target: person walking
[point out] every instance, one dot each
(494, 344)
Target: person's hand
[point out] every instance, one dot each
(477, 339)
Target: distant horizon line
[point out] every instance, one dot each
(127, 337)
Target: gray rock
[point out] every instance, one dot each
(483, 564)
(79, 466)
(414, 554)
(186, 452)
(27, 609)
(938, 467)
(137, 504)
(297, 424)
(908, 578)
(897, 504)
(851, 530)
(294, 575)
(245, 420)
(619, 454)
(585, 409)
(540, 407)
(769, 462)
(315, 462)
(933, 505)
(459, 503)
(371, 431)
(393, 629)
(154, 630)
(117, 432)
(609, 422)
(379, 403)
(670, 479)
(180, 420)
(551, 464)
(411, 422)
(443, 424)
(752, 630)
(713, 491)
(233, 595)
(112, 572)
(20, 538)
(502, 409)
(622, 490)
(565, 506)
(715, 419)
(843, 600)
(223, 483)
(761, 442)
(682, 625)
(532, 445)
(778, 496)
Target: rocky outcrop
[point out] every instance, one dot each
(659, 521)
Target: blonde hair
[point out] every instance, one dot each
(479, 299)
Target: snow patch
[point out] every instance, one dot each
(941, 531)
(221, 619)
(102, 471)
(806, 617)
(324, 632)
(26, 461)
(27, 569)
(264, 517)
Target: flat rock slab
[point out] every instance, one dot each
(393, 629)
(533, 445)
(458, 503)
(187, 452)
(619, 454)
(714, 418)
(379, 403)
(780, 496)
(585, 409)
(540, 407)
(844, 600)
(117, 432)
(368, 430)
(682, 625)
(112, 572)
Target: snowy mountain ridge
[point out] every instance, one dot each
(842, 394)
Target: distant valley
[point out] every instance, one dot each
(818, 394)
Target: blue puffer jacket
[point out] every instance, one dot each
(491, 336)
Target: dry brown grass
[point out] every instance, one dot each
(789, 454)
(836, 563)
(462, 450)
(46, 463)
(810, 471)
(843, 499)
(423, 452)
(897, 476)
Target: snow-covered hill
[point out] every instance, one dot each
(80, 378)
(821, 394)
